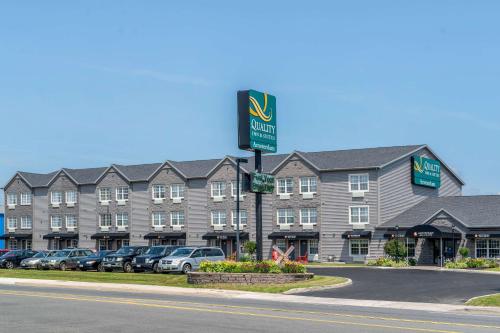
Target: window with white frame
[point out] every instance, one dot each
(71, 197)
(25, 199)
(243, 217)
(158, 191)
(12, 244)
(359, 214)
(308, 185)
(285, 216)
(12, 199)
(313, 247)
(122, 193)
(177, 218)
(104, 194)
(56, 221)
(122, 219)
(218, 217)
(285, 185)
(105, 220)
(177, 191)
(233, 188)
(71, 221)
(158, 219)
(281, 244)
(218, 189)
(308, 216)
(488, 248)
(56, 197)
(26, 222)
(358, 183)
(359, 247)
(410, 246)
(12, 223)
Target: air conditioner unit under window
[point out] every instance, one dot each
(218, 227)
(308, 226)
(158, 228)
(358, 194)
(177, 200)
(284, 196)
(157, 201)
(218, 199)
(104, 228)
(121, 202)
(55, 205)
(70, 204)
(11, 206)
(308, 195)
(284, 227)
(177, 227)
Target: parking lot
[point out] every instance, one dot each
(409, 285)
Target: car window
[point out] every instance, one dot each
(197, 254)
(215, 253)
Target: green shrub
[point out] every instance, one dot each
(387, 262)
(250, 247)
(395, 249)
(251, 267)
(471, 263)
(412, 262)
(464, 252)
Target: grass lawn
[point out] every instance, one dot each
(333, 264)
(171, 280)
(496, 269)
(493, 300)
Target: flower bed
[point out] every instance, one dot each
(388, 262)
(264, 272)
(466, 263)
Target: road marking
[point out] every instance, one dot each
(396, 319)
(111, 300)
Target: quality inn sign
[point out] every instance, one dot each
(257, 121)
(426, 172)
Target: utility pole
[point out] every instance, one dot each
(258, 208)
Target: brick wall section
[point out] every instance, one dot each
(246, 278)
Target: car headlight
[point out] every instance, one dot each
(78, 262)
(91, 262)
(119, 259)
(150, 261)
(176, 261)
(53, 261)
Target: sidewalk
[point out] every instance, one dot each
(421, 268)
(231, 294)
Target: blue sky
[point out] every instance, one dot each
(92, 83)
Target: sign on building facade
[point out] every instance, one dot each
(426, 172)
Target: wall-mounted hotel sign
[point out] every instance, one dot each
(425, 172)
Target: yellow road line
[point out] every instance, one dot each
(396, 319)
(238, 313)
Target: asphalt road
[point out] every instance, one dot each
(30, 309)
(409, 285)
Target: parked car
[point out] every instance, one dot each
(187, 259)
(64, 259)
(34, 262)
(3, 251)
(122, 259)
(150, 259)
(93, 261)
(13, 258)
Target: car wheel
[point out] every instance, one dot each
(186, 268)
(38, 267)
(9, 265)
(62, 266)
(156, 269)
(100, 268)
(127, 267)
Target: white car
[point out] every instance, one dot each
(187, 259)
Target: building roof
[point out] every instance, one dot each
(482, 211)
(367, 158)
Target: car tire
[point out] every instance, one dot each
(62, 266)
(186, 268)
(9, 265)
(127, 267)
(100, 268)
(156, 269)
(38, 267)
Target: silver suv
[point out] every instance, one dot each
(187, 259)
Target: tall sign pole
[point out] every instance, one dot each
(257, 131)
(238, 190)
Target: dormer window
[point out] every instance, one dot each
(104, 194)
(122, 193)
(158, 192)
(177, 191)
(56, 198)
(285, 186)
(218, 189)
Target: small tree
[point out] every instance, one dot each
(464, 252)
(250, 247)
(395, 249)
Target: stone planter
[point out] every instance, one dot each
(246, 278)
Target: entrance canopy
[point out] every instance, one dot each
(224, 235)
(431, 231)
(14, 235)
(110, 235)
(57, 235)
(165, 235)
(356, 234)
(293, 235)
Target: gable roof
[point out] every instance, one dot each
(480, 211)
(352, 159)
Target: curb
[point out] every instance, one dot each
(437, 269)
(319, 288)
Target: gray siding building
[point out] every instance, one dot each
(331, 206)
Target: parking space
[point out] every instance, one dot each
(409, 285)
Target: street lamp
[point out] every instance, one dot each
(397, 243)
(238, 161)
(453, 240)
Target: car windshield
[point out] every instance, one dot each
(63, 253)
(12, 253)
(102, 254)
(182, 252)
(155, 250)
(51, 254)
(39, 255)
(126, 250)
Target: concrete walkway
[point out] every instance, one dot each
(232, 294)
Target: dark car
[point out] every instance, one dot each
(93, 261)
(34, 262)
(122, 259)
(149, 260)
(13, 258)
(3, 251)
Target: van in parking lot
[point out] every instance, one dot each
(187, 259)
(150, 259)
